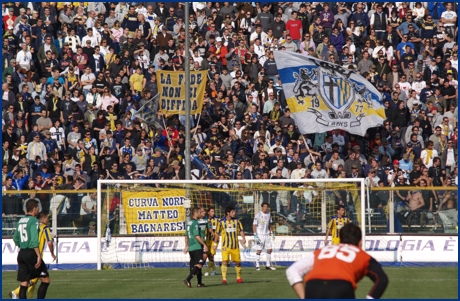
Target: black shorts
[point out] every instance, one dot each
(196, 257)
(27, 258)
(329, 289)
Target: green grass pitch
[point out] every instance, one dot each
(405, 282)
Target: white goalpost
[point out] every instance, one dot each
(146, 228)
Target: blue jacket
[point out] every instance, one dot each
(360, 19)
(51, 145)
(58, 46)
(436, 9)
(338, 42)
(19, 183)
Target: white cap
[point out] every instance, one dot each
(10, 27)
(218, 39)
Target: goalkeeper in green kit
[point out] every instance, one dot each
(196, 247)
(30, 263)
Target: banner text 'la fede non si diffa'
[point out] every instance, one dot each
(171, 87)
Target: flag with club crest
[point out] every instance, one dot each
(323, 96)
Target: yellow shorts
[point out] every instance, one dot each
(233, 254)
(210, 246)
(336, 241)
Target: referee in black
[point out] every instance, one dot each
(30, 263)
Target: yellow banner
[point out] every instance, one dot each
(171, 89)
(158, 212)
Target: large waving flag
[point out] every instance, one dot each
(148, 112)
(323, 96)
(200, 165)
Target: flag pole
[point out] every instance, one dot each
(187, 91)
(197, 123)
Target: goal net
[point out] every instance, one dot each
(141, 224)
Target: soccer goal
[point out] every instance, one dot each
(141, 224)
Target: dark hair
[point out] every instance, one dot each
(340, 207)
(229, 209)
(350, 234)
(41, 215)
(31, 204)
(195, 210)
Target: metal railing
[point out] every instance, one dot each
(385, 211)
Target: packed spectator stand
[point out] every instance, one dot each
(75, 74)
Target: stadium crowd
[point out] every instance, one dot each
(75, 74)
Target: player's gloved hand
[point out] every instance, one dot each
(273, 235)
(256, 238)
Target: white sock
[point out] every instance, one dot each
(257, 260)
(268, 256)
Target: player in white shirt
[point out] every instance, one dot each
(263, 234)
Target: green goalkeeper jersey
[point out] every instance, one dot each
(26, 234)
(203, 223)
(193, 230)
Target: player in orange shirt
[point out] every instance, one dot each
(333, 271)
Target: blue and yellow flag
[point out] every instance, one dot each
(323, 96)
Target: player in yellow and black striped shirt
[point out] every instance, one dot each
(44, 237)
(213, 220)
(335, 224)
(228, 228)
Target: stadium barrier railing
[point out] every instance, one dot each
(385, 212)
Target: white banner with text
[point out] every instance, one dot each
(385, 249)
